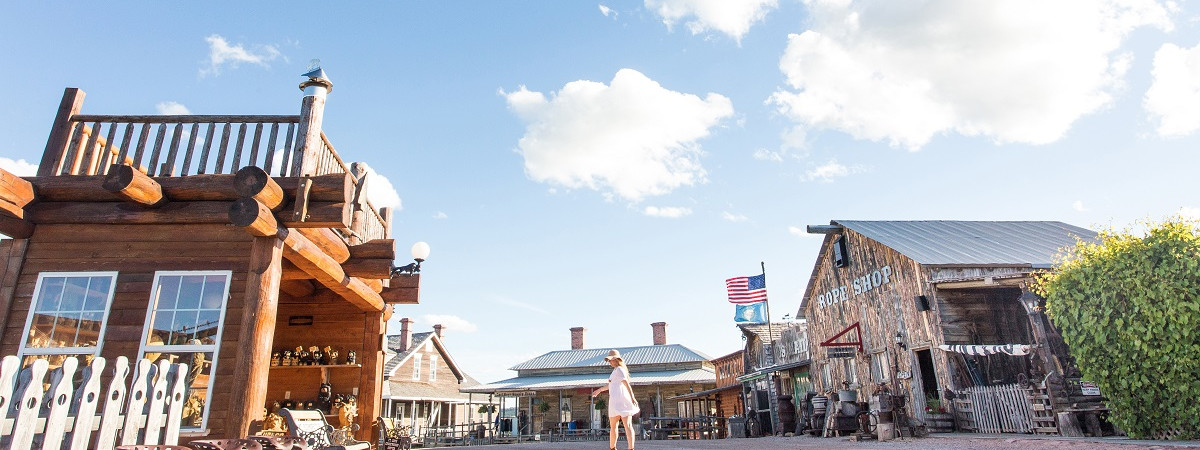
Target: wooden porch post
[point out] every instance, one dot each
(312, 114)
(60, 133)
(12, 257)
(248, 395)
(371, 381)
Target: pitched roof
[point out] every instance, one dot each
(701, 375)
(394, 357)
(955, 242)
(594, 357)
(765, 333)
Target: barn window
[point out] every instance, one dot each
(880, 370)
(68, 316)
(840, 257)
(183, 325)
(432, 368)
(416, 367)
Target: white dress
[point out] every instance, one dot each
(620, 403)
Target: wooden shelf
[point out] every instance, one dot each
(320, 366)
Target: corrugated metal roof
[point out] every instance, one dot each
(952, 242)
(764, 332)
(594, 357)
(596, 380)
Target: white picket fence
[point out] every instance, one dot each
(998, 409)
(144, 410)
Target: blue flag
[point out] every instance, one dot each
(750, 312)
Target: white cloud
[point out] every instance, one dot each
(172, 108)
(1078, 206)
(452, 323)
(904, 72)
(733, 18)
(221, 54)
(827, 172)
(440, 215)
(520, 304)
(1173, 99)
(608, 12)
(20, 167)
(632, 138)
(669, 212)
(380, 192)
(733, 217)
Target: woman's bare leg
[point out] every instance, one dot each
(628, 420)
(613, 423)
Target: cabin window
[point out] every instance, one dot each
(880, 369)
(432, 368)
(416, 367)
(183, 325)
(68, 316)
(840, 257)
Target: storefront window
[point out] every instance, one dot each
(183, 325)
(68, 316)
(880, 369)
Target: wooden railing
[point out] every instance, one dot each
(186, 145)
(147, 410)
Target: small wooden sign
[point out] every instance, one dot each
(840, 352)
(903, 375)
(1089, 388)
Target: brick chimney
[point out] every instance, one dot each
(577, 338)
(660, 333)
(438, 329)
(405, 333)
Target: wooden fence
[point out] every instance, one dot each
(36, 412)
(994, 409)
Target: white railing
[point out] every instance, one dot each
(53, 413)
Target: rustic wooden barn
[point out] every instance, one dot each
(211, 240)
(888, 300)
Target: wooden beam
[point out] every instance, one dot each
(260, 306)
(133, 186)
(15, 190)
(320, 215)
(254, 182)
(329, 241)
(254, 216)
(15, 228)
(403, 290)
(374, 283)
(297, 288)
(127, 214)
(371, 382)
(12, 258)
(82, 188)
(368, 268)
(60, 133)
(312, 260)
(373, 249)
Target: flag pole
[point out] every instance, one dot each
(771, 400)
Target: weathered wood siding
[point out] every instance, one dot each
(136, 252)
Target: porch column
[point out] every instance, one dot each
(257, 334)
(371, 381)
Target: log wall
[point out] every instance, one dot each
(136, 252)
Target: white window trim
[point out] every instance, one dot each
(416, 367)
(215, 348)
(432, 368)
(37, 290)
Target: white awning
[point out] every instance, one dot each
(981, 350)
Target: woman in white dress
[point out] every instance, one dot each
(622, 405)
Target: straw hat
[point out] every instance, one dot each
(613, 354)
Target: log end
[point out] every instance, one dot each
(119, 178)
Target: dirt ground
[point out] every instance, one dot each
(946, 441)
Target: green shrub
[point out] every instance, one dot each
(1129, 309)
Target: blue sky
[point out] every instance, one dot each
(608, 165)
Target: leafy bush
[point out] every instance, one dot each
(1129, 309)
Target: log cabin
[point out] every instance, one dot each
(214, 240)
(940, 310)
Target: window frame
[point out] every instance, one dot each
(432, 368)
(25, 350)
(214, 348)
(880, 367)
(416, 375)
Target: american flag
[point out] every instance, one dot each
(743, 290)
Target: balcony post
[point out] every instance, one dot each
(312, 113)
(60, 133)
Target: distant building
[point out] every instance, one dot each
(423, 382)
(564, 379)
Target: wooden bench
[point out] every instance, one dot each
(147, 411)
(393, 436)
(311, 427)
